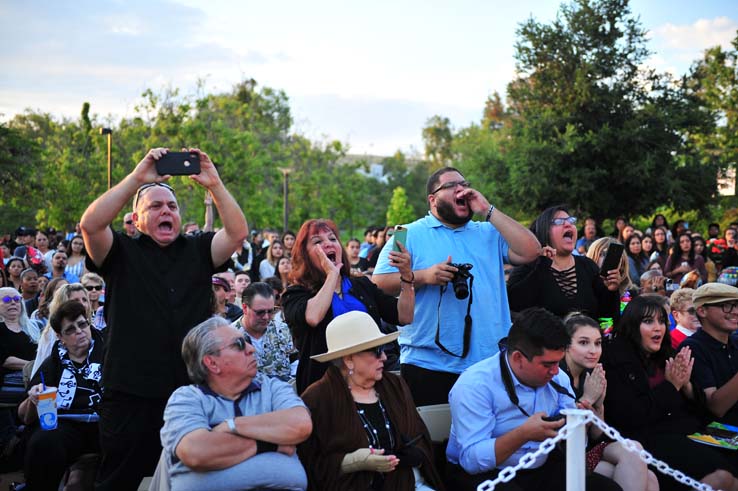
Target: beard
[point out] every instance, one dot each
(445, 210)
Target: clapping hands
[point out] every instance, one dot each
(679, 369)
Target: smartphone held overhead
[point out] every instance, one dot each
(178, 164)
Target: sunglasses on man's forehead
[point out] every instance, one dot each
(150, 185)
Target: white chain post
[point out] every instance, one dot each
(576, 448)
(570, 429)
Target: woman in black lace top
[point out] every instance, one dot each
(558, 280)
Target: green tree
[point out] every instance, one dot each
(713, 81)
(399, 211)
(592, 127)
(437, 137)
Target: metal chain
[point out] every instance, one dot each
(508, 473)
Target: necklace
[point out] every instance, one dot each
(372, 433)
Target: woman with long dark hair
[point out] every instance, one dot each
(637, 261)
(660, 251)
(323, 288)
(558, 280)
(588, 380)
(76, 255)
(700, 249)
(651, 399)
(682, 260)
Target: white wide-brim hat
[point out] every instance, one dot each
(351, 333)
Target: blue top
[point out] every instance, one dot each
(70, 277)
(479, 243)
(481, 411)
(194, 407)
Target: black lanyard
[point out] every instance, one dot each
(510, 388)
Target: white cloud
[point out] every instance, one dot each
(694, 38)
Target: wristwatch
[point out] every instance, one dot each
(232, 426)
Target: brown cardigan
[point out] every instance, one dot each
(337, 431)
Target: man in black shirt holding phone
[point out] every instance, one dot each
(158, 287)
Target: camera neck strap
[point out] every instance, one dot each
(507, 381)
(467, 323)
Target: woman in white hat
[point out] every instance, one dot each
(367, 434)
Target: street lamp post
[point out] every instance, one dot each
(109, 132)
(285, 197)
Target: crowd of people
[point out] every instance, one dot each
(235, 359)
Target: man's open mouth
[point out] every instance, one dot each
(166, 226)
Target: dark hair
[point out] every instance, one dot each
(629, 326)
(289, 232)
(432, 182)
(49, 292)
(353, 239)
(69, 246)
(27, 271)
(304, 272)
(674, 228)
(11, 261)
(654, 224)
(275, 283)
(541, 227)
(535, 329)
(713, 224)
(239, 273)
(260, 288)
(576, 320)
(69, 310)
(637, 257)
(704, 248)
(676, 250)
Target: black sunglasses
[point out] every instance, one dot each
(239, 344)
(129, 222)
(376, 351)
(90, 288)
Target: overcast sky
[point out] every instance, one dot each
(366, 73)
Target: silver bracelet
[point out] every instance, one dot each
(489, 213)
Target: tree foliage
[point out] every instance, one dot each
(399, 211)
(594, 129)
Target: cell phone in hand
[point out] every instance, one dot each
(400, 233)
(178, 164)
(612, 258)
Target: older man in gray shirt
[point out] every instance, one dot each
(234, 428)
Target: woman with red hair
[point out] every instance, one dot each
(322, 288)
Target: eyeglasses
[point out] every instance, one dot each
(690, 311)
(376, 351)
(90, 288)
(129, 222)
(263, 312)
(73, 327)
(239, 344)
(561, 221)
(451, 185)
(727, 308)
(147, 186)
(8, 299)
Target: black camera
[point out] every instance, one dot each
(461, 289)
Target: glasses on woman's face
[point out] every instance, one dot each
(74, 327)
(8, 299)
(90, 288)
(561, 221)
(376, 351)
